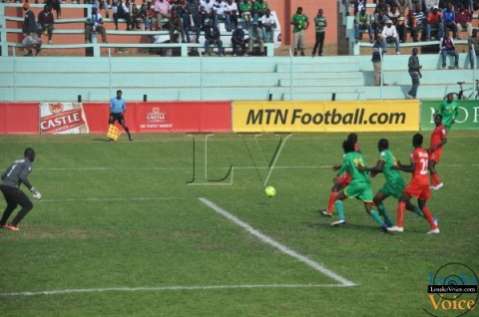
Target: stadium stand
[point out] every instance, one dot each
(204, 78)
(215, 78)
(70, 31)
(414, 20)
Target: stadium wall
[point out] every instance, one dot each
(238, 117)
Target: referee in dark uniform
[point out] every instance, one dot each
(117, 109)
(15, 175)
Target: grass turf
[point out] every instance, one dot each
(122, 215)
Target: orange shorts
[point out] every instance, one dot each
(343, 180)
(418, 190)
(435, 156)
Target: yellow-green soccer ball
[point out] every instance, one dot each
(270, 191)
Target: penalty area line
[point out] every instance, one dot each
(275, 244)
(167, 288)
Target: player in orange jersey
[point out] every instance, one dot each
(438, 140)
(418, 187)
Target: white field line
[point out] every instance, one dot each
(158, 168)
(168, 288)
(105, 199)
(281, 247)
(270, 171)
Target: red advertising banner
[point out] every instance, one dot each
(183, 117)
(153, 117)
(19, 118)
(141, 117)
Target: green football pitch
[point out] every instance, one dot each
(136, 229)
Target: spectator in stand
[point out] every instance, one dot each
(103, 5)
(213, 38)
(204, 17)
(231, 15)
(300, 23)
(449, 20)
(464, 20)
(238, 41)
(135, 10)
(415, 73)
(362, 23)
(415, 3)
(448, 49)
(403, 5)
(150, 19)
(55, 5)
(393, 13)
(245, 9)
(259, 9)
(193, 8)
(473, 43)
(431, 4)
(416, 21)
(31, 40)
(175, 27)
(219, 7)
(143, 13)
(376, 59)
(207, 5)
(162, 9)
(268, 24)
(358, 5)
(402, 29)
(390, 35)
(122, 11)
(94, 24)
(381, 6)
(256, 38)
(46, 21)
(378, 21)
(434, 22)
(186, 23)
(320, 24)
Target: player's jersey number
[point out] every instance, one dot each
(424, 166)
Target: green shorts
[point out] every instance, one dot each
(394, 189)
(362, 191)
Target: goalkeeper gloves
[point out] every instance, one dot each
(35, 193)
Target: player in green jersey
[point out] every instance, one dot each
(360, 186)
(448, 109)
(394, 185)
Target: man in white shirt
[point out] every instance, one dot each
(219, 11)
(207, 5)
(269, 24)
(390, 34)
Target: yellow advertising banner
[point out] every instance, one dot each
(327, 116)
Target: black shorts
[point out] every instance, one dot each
(14, 196)
(116, 117)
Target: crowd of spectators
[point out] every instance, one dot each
(394, 21)
(249, 21)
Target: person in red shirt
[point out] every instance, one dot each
(341, 181)
(418, 187)
(434, 22)
(438, 140)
